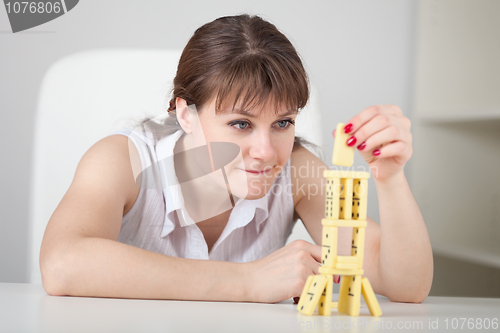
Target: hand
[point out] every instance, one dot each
(283, 274)
(382, 136)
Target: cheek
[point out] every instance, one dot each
(212, 130)
(285, 150)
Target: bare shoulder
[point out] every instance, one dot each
(306, 171)
(113, 162)
(102, 190)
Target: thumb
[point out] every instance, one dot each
(316, 252)
(313, 249)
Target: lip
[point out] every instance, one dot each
(257, 172)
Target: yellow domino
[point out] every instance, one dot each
(342, 153)
(359, 196)
(370, 299)
(335, 271)
(302, 299)
(346, 199)
(325, 301)
(343, 223)
(308, 304)
(332, 198)
(347, 259)
(341, 265)
(345, 284)
(354, 296)
(358, 244)
(330, 174)
(329, 246)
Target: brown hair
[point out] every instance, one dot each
(241, 58)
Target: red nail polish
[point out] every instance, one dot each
(376, 152)
(347, 128)
(362, 146)
(351, 142)
(337, 279)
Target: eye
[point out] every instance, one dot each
(285, 123)
(244, 125)
(241, 125)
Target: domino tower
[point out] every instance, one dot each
(346, 201)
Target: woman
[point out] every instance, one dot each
(240, 83)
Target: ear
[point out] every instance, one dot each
(184, 115)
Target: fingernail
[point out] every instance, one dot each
(376, 152)
(347, 128)
(362, 146)
(296, 300)
(337, 279)
(333, 133)
(351, 141)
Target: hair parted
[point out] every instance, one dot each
(240, 59)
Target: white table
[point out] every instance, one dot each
(27, 308)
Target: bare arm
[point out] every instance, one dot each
(80, 254)
(406, 262)
(106, 268)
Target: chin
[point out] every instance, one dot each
(256, 195)
(247, 186)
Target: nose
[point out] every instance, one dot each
(262, 147)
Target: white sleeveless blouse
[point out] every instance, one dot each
(255, 228)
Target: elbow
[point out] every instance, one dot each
(53, 276)
(420, 298)
(409, 292)
(409, 297)
(412, 287)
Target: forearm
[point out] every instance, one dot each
(105, 268)
(406, 263)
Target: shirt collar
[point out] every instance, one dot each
(243, 211)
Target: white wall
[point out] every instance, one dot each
(358, 53)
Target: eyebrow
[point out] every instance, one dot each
(248, 114)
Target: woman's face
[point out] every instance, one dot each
(265, 140)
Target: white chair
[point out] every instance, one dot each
(86, 96)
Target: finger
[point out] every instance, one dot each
(315, 251)
(399, 150)
(315, 267)
(333, 133)
(382, 138)
(376, 124)
(370, 112)
(313, 262)
(311, 265)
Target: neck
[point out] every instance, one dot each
(204, 197)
